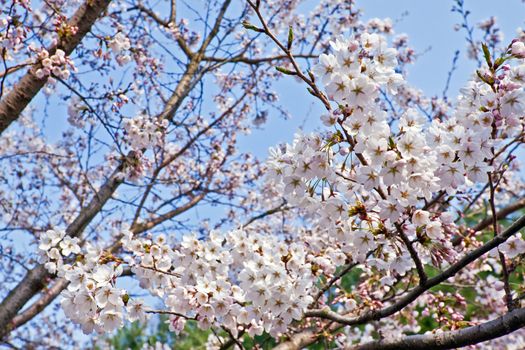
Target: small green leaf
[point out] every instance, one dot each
(310, 90)
(486, 53)
(250, 26)
(290, 38)
(487, 79)
(500, 60)
(391, 143)
(285, 71)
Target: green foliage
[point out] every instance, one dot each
(263, 341)
(351, 279)
(191, 338)
(323, 344)
(428, 324)
(134, 336)
(130, 337)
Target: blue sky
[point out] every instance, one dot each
(429, 24)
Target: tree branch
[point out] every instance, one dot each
(37, 277)
(501, 326)
(272, 211)
(413, 254)
(310, 82)
(247, 60)
(29, 85)
(501, 214)
(420, 289)
(182, 90)
(139, 228)
(39, 305)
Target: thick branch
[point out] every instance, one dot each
(299, 340)
(501, 326)
(39, 305)
(501, 214)
(182, 90)
(307, 337)
(29, 85)
(422, 288)
(37, 277)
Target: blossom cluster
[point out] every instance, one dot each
(365, 187)
(91, 299)
(63, 28)
(56, 245)
(256, 282)
(57, 64)
(362, 186)
(13, 37)
(120, 46)
(75, 111)
(236, 280)
(143, 132)
(370, 179)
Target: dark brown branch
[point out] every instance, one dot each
(415, 257)
(307, 337)
(39, 305)
(173, 11)
(495, 226)
(182, 90)
(139, 228)
(36, 279)
(235, 339)
(501, 326)
(334, 279)
(29, 85)
(422, 288)
(228, 344)
(501, 214)
(272, 211)
(167, 24)
(167, 312)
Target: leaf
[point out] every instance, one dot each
(290, 38)
(500, 60)
(311, 91)
(285, 71)
(488, 80)
(249, 26)
(486, 53)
